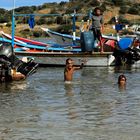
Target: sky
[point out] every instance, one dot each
(8, 4)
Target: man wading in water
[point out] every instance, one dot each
(69, 70)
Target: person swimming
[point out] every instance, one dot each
(122, 81)
(69, 70)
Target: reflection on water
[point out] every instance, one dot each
(43, 107)
(69, 89)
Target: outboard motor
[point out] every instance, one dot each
(124, 53)
(7, 56)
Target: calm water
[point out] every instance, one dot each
(91, 108)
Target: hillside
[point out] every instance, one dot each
(127, 10)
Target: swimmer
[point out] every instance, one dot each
(122, 81)
(69, 70)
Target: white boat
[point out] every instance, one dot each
(66, 38)
(58, 58)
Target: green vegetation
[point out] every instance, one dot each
(134, 9)
(63, 24)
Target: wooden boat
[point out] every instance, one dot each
(19, 46)
(24, 40)
(23, 45)
(106, 39)
(123, 55)
(61, 38)
(32, 45)
(58, 58)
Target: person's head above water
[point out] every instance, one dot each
(69, 62)
(122, 79)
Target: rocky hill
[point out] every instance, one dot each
(127, 10)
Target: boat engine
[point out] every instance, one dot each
(125, 53)
(9, 60)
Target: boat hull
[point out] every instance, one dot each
(58, 59)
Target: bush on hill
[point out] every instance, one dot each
(120, 2)
(124, 9)
(135, 9)
(121, 20)
(25, 10)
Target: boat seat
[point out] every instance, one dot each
(125, 43)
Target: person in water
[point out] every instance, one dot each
(97, 25)
(16, 76)
(122, 81)
(8, 75)
(69, 69)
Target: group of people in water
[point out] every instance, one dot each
(96, 26)
(70, 69)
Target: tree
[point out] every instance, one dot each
(119, 2)
(41, 21)
(134, 10)
(124, 9)
(94, 3)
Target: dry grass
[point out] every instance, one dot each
(110, 12)
(46, 11)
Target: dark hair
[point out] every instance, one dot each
(67, 60)
(95, 10)
(121, 77)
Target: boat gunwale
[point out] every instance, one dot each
(64, 54)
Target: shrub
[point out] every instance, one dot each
(41, 21)
(50, 21)
(1, 26)
(8, 24)
(124, 9)
(62, 3)
(67, 29)
(25, 32)
(4, 18)
(119, 2)
(123, 20)
(134, 10)
(53, 11)
(112, 21)
(103, 7)
(37, 33)
(94, 3)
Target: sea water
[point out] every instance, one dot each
(92, 107)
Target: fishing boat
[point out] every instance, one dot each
(87, 53)
(32, 45)
(61, 38)
(66, 38)
(56, 56)
(125, 54)
(23, 40)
